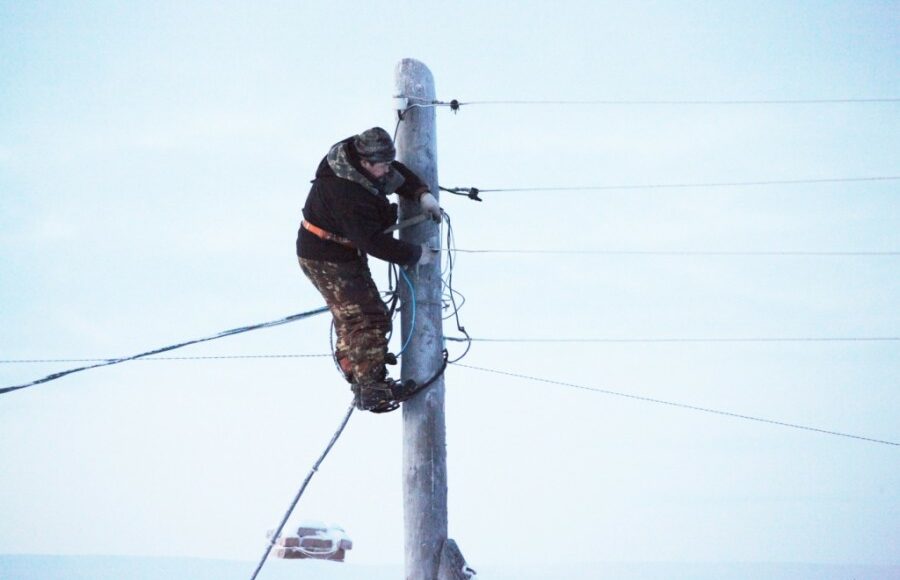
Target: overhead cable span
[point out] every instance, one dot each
(158, 358)
(114, 361)
(588, 340)
(686, 253)
(406, 103)
(759, 183)
(684, 102)
(683, 406)
(684, 339)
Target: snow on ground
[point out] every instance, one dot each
(16, 567)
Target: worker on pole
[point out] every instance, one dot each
(344, 221)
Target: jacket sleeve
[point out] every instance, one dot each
(362, 223)
(413, 187)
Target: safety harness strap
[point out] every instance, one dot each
(326, 235)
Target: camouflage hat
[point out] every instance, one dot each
(375, 145)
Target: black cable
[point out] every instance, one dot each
(158, 358)
(393, 294)
(223, 334)
(397, 126)
(309, 476)
(684, 406)
(421, 387)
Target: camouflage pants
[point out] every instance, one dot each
(360, 317)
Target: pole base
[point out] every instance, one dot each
(453, 564)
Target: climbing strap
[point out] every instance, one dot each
(404, 395)
(326, 235)
(384, 399)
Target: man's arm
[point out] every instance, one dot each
(414, 188)
(363, 225)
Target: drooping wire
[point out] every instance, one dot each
(682, 405)
(390, 298)
(333, 348)
(223, 334)
(447, 283)
(397, 126)
(412, 302)
(309, 476)
(166, 358)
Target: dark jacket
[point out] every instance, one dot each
(347, 201)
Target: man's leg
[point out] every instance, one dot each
(360, 317)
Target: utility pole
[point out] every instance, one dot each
(428, 551)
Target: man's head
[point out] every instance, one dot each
(376, 151)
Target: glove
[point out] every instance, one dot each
(427, 255)
(430, 207)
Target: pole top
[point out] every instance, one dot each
(413, 79)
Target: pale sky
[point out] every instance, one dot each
(154, 158)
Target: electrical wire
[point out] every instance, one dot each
(455, 104)
(759, 183)
(450, 294)
(536, 340)
(223, 334)
(299, 494)
(682, 339)
(688, 102)
(412, 323)
(166, 358)
(772, 253)
(683, 405)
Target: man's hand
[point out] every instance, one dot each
(430, 207)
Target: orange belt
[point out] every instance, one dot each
(326, 235)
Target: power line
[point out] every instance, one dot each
(455, 104)
(760, 183)
(159, 358)
(683, 405)
(688, 252)
(315, 468)
(223, 334)
(536, 340)
(679, 102)
(683, 339)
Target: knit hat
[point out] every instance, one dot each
(375, 145)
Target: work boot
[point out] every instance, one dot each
(375, 397)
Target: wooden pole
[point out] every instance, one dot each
(424, 431)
